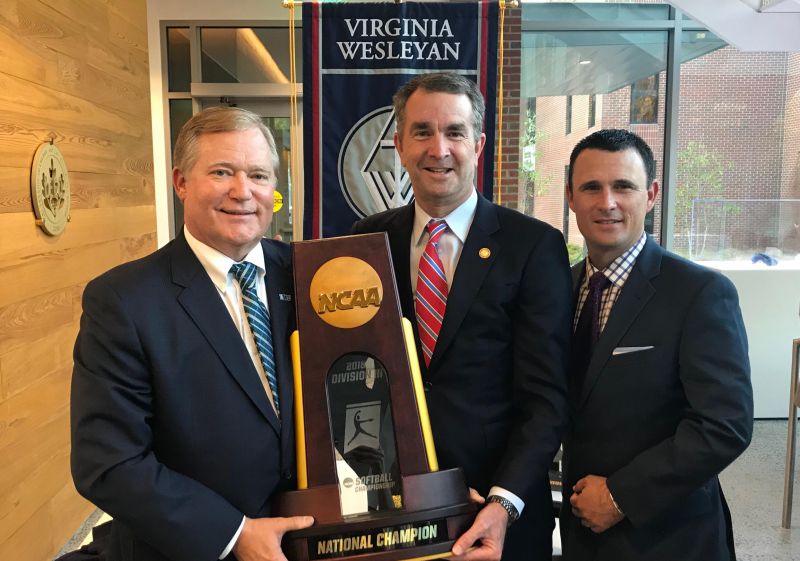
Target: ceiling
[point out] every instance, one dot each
(749, 25)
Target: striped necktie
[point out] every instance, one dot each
(258, 317)
(431, 291)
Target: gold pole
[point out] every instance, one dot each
(499, 198)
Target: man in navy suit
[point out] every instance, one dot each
(494, 344)
(660, 381)
(181, 418)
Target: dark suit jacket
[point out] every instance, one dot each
(496, 386)
(661, 423)
(172, 431)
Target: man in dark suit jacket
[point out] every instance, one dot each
(496, 377)
(662, 399)
(175, 428)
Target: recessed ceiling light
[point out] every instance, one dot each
(585, 62)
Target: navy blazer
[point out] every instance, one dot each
(496, 385)
(664, 419)
(172, 432)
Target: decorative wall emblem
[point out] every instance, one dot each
(50, 189)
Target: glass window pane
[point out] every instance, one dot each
(737, 161)
(247, 55)
(180, 111)
(179, 68)
(598, 11)
(282, 219)
(596, 80)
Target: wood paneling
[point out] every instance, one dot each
(74, 71)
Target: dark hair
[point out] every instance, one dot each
(615, 140)
(444, 82)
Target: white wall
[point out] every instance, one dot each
(770, 301)
(238, 11)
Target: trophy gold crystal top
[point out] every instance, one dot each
(366, 462)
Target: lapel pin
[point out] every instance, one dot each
(485, 252)
(285, 297)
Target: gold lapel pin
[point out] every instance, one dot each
(485, 252)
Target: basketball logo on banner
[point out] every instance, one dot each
(369, 165)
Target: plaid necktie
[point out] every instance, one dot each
(258, 318)
(431, 291)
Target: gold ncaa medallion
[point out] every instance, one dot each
(346, 292)
(50, 189)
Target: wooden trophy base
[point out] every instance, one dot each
(436, 511)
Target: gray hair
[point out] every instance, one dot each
(218, 119)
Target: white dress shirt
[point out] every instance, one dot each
(451, 242)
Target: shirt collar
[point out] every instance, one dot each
(618, 270)
(458, 221)
(217, 264)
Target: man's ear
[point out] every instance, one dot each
(479, 145)
(398, 144)
(652, 195)
(568, 193)
(179, 183)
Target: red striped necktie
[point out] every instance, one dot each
(431, 291)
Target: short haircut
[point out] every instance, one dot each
(217, 119)
(615, 140)
(442, 82)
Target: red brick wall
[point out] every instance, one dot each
(506, 193)
(733, 104)
(790, 178)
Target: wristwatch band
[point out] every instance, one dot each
(513, 513)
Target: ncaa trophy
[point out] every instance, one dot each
(366, 463)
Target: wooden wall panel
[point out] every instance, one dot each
(75, 71)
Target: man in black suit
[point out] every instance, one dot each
(491, 321)
(660, 382)
(181, 400)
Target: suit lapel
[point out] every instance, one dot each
(280, 292)
(399, 231)
(469, 275)
(635, 294)
(201, 301)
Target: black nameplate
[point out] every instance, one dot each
(386, 538)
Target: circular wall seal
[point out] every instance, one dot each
(50, 189)
(346, 292)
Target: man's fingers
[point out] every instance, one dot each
(296, 523)
(465, 541)
(475, 497)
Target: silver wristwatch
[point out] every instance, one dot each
(509, 507)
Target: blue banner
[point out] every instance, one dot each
(356, 55)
